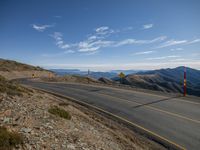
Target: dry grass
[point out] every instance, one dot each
(55, 110)
(9, 140)
(9, 65)
(11, 88)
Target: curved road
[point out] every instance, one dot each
(175, 119)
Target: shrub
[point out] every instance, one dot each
(8, 140)
(10, 87)
(55, 110)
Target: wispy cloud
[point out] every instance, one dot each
(163, 57)
(147, 26)
(134, 41)
(93, 45)
(95, 42)
(176, 49)
(100, 38)
(59, 40)
(144, 52)
(41, 28)
(194, 41)
(172, 43)
(177, 42)
(104, 30)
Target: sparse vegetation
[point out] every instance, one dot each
(55, 110)
(9, 65)
(10, 88)
(8, 139)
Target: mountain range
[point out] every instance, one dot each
(91, 74)
(167, 80)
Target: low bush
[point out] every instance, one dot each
(9, 140)
(10, 88)
(55, 110)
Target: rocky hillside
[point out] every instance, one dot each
(167, 80)
(12, 70)
(9, 65)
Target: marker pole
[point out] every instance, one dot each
(88, 76)
(184, 84)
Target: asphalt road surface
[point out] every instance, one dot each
(173, 118)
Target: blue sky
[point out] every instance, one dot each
(101, 34)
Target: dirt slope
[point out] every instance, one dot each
(12, 70)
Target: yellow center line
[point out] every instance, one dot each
(154, 108)
(129, 91)
(150, 107)
(123, 119)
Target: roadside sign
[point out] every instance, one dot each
(121, 75)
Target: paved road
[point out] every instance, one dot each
(176, 119)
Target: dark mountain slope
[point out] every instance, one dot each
(167, 80)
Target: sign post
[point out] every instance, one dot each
(184, 84)
(121, 75)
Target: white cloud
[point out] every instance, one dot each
(145, 52)
(177, 42)
(59, 40)
(194, 41)
(134, 41)
(88, 49)
(88, 45)
(93, 37)
(172, 43)
(41, 28)
(104, 30)
(94, 42)
(163, 57)
(176, 49)
(147, 26)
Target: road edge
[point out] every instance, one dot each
(133, 126)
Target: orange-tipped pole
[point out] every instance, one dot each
(184, 84)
